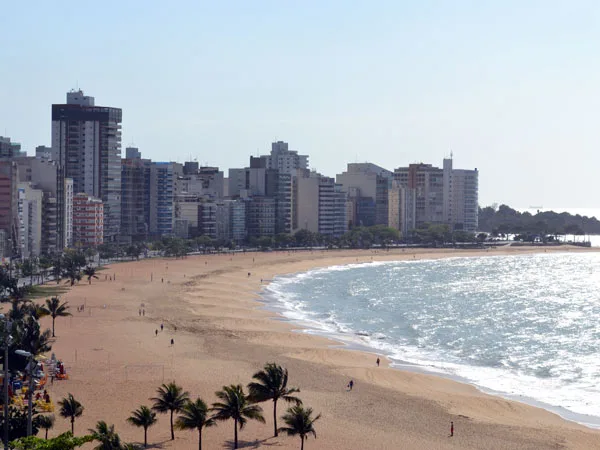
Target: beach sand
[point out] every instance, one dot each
(222, 335)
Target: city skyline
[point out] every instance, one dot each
(508, 88)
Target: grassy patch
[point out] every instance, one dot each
(47, 290)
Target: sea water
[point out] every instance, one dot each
(525, 326)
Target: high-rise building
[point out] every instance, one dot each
(46, 153)
(9, 219)
(163, 188)
(461, 198)
(132, 153)
(30, 205)
(440, 196)
(260, 216)
(428, 183)
(87, 142)
(368, 185)
(88, 221)
(285, 160)
(135, 199)
(10, 149)
(319, 204)
(207, 182)
(401, 208)
(57, 227)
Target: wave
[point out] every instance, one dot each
(559, 388)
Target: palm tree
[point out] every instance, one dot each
(143, 417)
(299, 423)
(55, 309)
(272, 385)
(70, 408)
(235, 405)
(90, 272)
(170, 398)
(194, 415)
(105, 434)
(46, 422)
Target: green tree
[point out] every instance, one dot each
(65, 441)
(55, 309)
(29, 336)
(143, 417)
(106, 436)
(29, 268)
(299, 423)
(90, 272)
(46, 422)
(45, 264)
(271, 384)
(236, 405)
(171, 398)
(70, 409)
(17, 422)
(57, 268)
(194, 416)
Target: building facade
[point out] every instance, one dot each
(30, 207)
(163, 189)
(319, 204)
(87, 142)
(135, 199)
(88, 221)
(368, 185)
(461, 198)
(9, 222)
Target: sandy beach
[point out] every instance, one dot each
(222, 335)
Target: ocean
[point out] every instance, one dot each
(525, 327)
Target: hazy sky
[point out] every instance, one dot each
(511, 87)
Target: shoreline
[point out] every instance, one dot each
(211, 307)
(353, 342)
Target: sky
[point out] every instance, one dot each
(511, 87)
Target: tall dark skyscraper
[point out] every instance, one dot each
(87, 141)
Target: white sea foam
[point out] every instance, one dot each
(524, 326)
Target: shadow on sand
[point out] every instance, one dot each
(257, 443)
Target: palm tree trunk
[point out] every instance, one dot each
(275, 415)
(199, 438)
(46, 433)
(145, 437)
(302, 442)
(73, 425)
(235, 433)
(53, 319)
(172, 432)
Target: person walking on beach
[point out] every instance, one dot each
(451, 429)
(155, 332)
(161, 327)
(378, 361)
(172, 341)
(350, 385)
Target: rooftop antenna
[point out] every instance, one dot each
(451, 154)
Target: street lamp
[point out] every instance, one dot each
(33, 375)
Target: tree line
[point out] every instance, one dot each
(505, 220)
(233, 404)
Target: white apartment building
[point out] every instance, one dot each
(30, 205)
(440, 196)
(285, 160)
(461, 199)
(319, 204)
